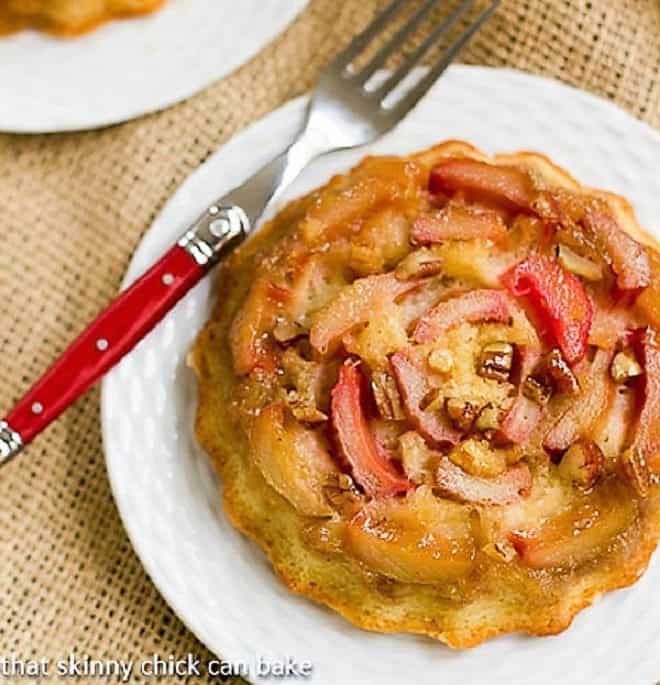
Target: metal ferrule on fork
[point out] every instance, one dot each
(216, 230)
(10, 442)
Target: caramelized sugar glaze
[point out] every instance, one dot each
(432, 388)
(68, 17)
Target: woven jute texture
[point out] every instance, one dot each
(72, 210)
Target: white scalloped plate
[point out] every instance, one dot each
(128, 68)
(217, 581)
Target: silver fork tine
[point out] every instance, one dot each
(357, 45)
(402, 71)
(418, 91)
(384, 52)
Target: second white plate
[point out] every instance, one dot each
(218, 582)
(128, 68)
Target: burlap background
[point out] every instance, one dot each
(72, 209)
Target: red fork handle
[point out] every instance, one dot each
(105, 341)
(122, 325)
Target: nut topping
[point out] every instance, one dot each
(490, 418)
(477, 458)
(387, 396)
(552, 374)
(582, 464)
(341, 493)
(624, 367)
(555, 369)
(496, 361)
(462, 413)
(537, 390)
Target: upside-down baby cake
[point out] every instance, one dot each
(432, 391)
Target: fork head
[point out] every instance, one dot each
(347, 113)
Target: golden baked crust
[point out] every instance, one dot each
(68, 17)
(501, 584)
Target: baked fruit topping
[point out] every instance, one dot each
(432, 391)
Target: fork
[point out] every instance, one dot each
(344, 112)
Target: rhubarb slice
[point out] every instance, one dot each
(458, 222)
(511, 187)
(471, 307)
(512, 486)
(414, 388)
(560, 302)
(367, 459)
(524, 415)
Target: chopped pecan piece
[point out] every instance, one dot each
(557, 373)
(496, 361)
(341, 493)
(537, 390)
(462, 413)
(386, 394)
(303, 386)
(551, 375)
(478, 458)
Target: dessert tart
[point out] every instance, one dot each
(68, 17)
(431, 389)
